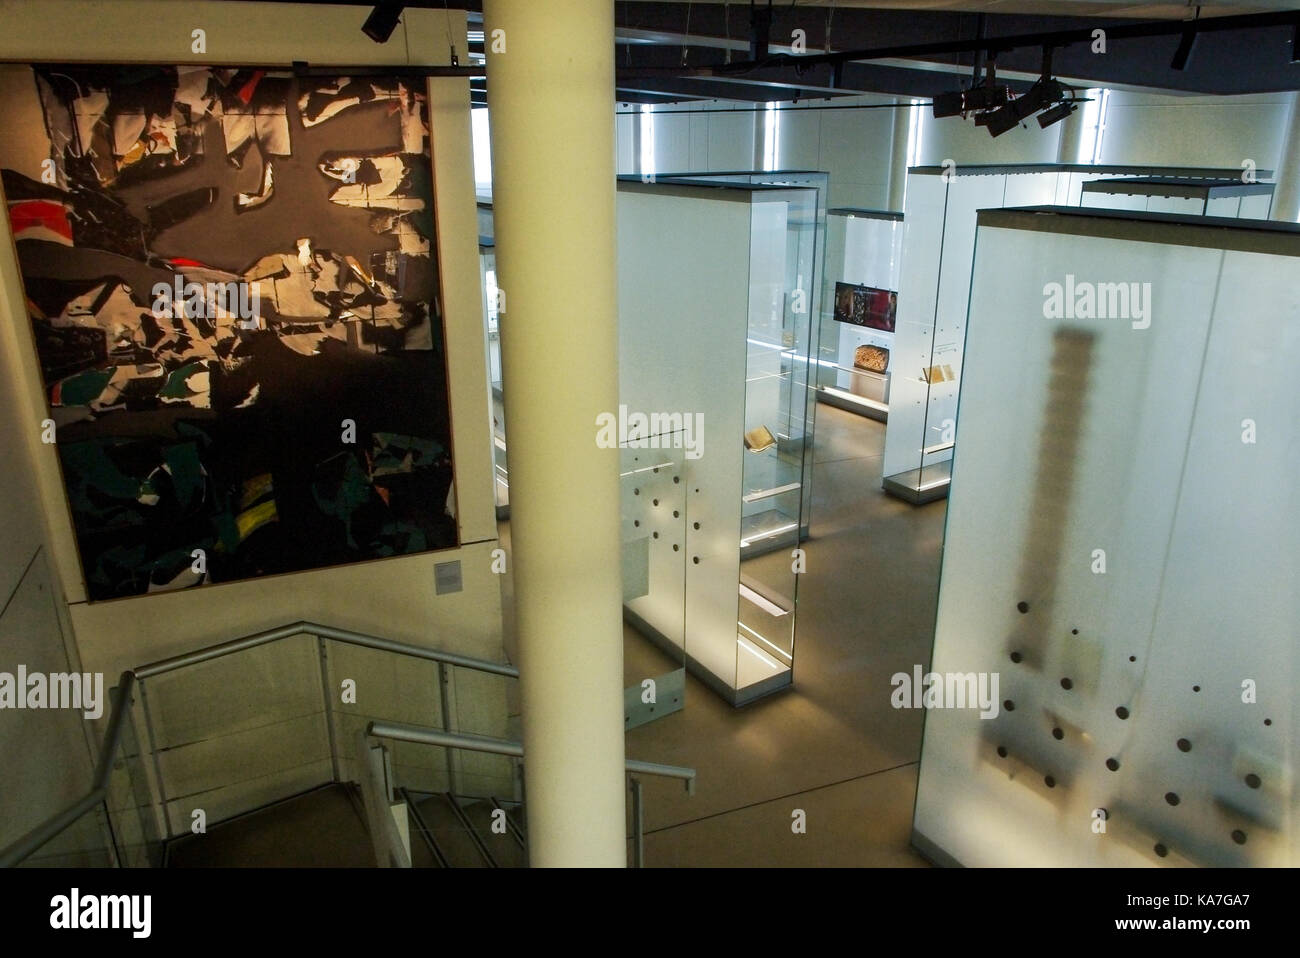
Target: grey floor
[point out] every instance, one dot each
(832, 746)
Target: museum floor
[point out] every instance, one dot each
(832, 746)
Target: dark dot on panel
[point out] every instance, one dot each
(1161, 850)
(1196, 688)
(1132, 658)
(1172, 798)
(674, 546)
(637, 523)
(1016, 656)
(1023, 607)
(1049, 781)
(1009, 705)
(1067, 683)
(636, 492)
(696, 560)
(1112, 764)
(1268, 721)
(697, 525)
(1239, 836)
(656, 470)
(1253, 781)
(1074, 631)
(676, 513)
(1002, 751)
(677, 479)
(656, 502)
(1058, 734)
(1184, 745)
(656, 535)
(1122, 712)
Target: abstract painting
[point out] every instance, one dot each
(231, 276)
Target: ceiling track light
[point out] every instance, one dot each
(1295, 43)
(1057, 113)
(381, 23)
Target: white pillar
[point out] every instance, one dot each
(898, 154)
(551, 100)
(1286, 195)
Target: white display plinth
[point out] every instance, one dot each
(1121, 551)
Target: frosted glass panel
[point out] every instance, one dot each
(1121, 562)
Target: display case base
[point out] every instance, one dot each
(861, 405)
(932, 852)
(736, 697)
(919, 486)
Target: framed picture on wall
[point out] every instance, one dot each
(232, 280)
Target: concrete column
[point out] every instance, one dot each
(551, 102)
(1286, 196)
(898, 154)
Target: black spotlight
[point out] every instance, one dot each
(983, 97)
(1056, 114)
(1184, 51)
(381, 23)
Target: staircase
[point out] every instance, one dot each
(326, 827)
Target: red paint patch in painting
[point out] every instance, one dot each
(246, 91)
(41, 217)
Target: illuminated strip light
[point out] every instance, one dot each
(744, 543)
(938, 447)
(768, 493)
(777, 650)
(860, 400)
(772, 664)
(763, 602)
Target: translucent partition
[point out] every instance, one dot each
(864, 254)
(654, 521)
(1117, 604)
(927, 361)
(726, 343)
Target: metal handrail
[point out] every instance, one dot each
(55, 824)
(327, 632)
(500, 746)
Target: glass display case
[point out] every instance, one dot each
(1188, 196)
(927, 360)
(864, 254)
(1118, 574)
(716, 328)
(491, 320)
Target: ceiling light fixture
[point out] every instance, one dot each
(381, 23)
(1057, 113)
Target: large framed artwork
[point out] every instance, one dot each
(866, 306)
(232, 280)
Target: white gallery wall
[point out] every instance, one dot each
(856, 146)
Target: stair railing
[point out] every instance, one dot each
(420, 735)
